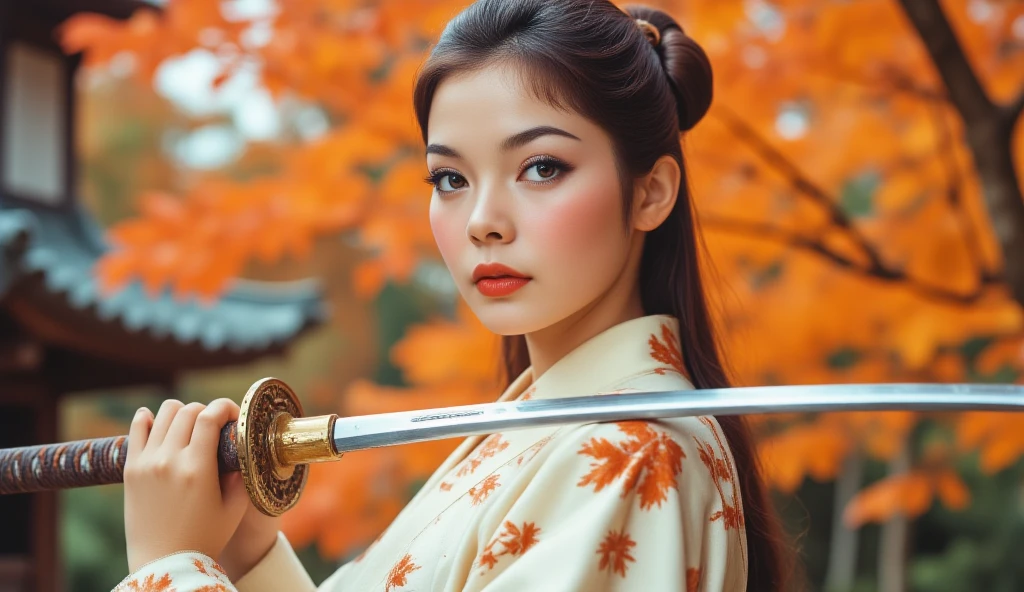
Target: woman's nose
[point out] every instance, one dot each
(490, 221)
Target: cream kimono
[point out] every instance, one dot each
(633, 505)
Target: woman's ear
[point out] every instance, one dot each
(655, 194)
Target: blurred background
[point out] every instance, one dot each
(195, 194)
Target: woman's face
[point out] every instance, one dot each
(526, 207)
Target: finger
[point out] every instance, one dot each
(164, 417)
(206, 435)
(180, 432)
(138, 434)
(234, 496)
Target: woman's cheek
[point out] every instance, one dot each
(579, 235)
(448, 234)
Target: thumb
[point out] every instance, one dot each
(234, 497)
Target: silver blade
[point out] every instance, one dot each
(390, 429)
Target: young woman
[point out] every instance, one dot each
(561, 208)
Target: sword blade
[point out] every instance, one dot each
(391, 429)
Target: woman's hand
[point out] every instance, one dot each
(251, 542)
(174, 497)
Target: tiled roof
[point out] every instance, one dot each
(62, 247)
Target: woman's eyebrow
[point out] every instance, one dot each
(510, 143)
(525, 137)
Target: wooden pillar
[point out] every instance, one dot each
(28, 522)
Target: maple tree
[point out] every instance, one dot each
(856, 179)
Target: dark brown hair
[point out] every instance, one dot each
(590, 57)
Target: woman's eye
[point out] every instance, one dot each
(542, 171)
(446, 181)
(451, 182)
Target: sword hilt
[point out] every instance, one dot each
(271, 444)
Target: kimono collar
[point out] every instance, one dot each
(645, 345)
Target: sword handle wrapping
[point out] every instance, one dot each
(271, 444)
(83, 463)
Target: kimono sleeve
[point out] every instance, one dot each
(188, 571)
(627, 506)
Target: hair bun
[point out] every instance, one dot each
(687, 66)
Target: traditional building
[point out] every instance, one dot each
(58, 333)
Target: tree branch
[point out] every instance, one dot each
(798, 179)
(954, 195)
(890, 79)
(769, 232)
(987, 133)
(1012, 111)
(964, 88)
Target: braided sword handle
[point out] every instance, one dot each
(82, 463)
(271, 444)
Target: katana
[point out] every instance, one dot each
(272, 444)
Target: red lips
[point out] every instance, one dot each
(496, 280)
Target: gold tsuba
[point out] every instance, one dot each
(272, 489)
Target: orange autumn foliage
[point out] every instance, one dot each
(840, 204)
(909, 494)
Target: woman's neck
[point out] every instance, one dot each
(551, 344)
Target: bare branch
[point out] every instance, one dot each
(1012, 111)
(962, 84)
(988, 135)
(890, 79)
(946, 150)
(801, 182)
(768, 232)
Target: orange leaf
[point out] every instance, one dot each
(909, 494)
(951, 490)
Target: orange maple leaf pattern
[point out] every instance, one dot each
(666, 350)
(446, 486)
(479, 492)
(615, 552)
(647, 461)
(533, 451)
(210, 568)
(490, 447)
(201, 567)
(721, 471)
(150, 584)
(398, 575)
(514, 540)
(692, 578)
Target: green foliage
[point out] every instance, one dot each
(858, 194)
(978, 548)
(92, 538)
(843, 358)
(398, 307)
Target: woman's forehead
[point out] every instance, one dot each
(492, 103)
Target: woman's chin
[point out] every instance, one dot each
(505, 317)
